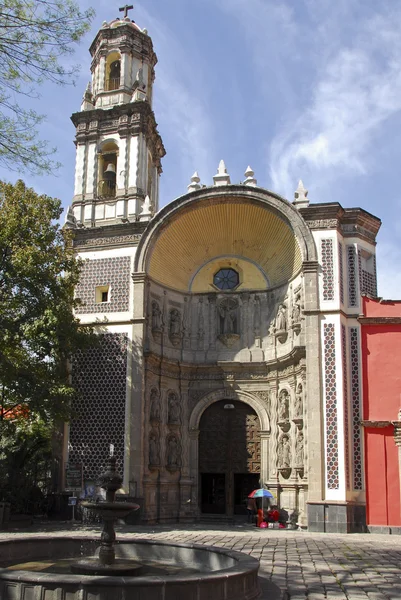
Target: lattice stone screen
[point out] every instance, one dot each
(100, 377)
(328, 268)
(112, 272)
(332, 474)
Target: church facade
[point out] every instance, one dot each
(230, 347)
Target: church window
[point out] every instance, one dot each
(226, 279)
(102, 294)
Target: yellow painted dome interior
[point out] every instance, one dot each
(207, 234)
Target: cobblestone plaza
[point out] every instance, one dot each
(294, 565)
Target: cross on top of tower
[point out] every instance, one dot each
(125, 9)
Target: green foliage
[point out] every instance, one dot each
(35, 35)
(26, 465)
(38, 331)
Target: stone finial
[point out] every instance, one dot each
(146, 213)
(194, 185)
(87, 100)
(70, 220)
(301, 196)
(222, 177)
(250, 179)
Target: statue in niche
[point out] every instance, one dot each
(228, 316)
(156, 317)
(281, 318)
(154, 449)
(296, 310)
(283, 407)
(299, 452)
(154, 405)
(284, 453)
(175, 322)
(173, 409)
(298, 406)
(175, 326)
(172, 452)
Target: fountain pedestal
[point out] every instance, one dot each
(110, 511)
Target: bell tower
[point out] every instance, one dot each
(118, 147)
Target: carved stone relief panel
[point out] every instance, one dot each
(174, 327)
(154, 449)
(173, 452)
(154, 405)
(174, 409)
(228, 321)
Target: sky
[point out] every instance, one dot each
(297, 89)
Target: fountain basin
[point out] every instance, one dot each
(213, 573)
(111, 510)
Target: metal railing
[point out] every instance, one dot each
(112, 84)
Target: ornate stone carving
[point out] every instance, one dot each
(299, 451)
(264, 397)
(173, 453)
(323, 224)
(174, 409)
(284, 453)
(174, 327)
(283, 407)
(154, 449)
(228, 321)
(157, 321)
(155, 406)
(298, 404)
(281, 323)
(109, 241)
(296, 313)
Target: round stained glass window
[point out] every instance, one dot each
(226, 279)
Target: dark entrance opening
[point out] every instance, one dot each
(244, 483)
(213, 493)
(229, 457)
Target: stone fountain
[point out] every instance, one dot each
(109, 511)
(72, 568)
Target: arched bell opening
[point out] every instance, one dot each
(108, 170)
(229, 457)
(113, 72)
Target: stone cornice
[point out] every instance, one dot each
(228, 372)
(135, 117)
(379, 320)
(124, 234)
(350, 222)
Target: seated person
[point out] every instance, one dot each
(273, 514)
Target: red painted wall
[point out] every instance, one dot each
(381, 367)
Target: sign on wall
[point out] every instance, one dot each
(73, 477)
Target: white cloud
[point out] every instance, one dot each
(356, 90)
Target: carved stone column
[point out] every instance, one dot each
(212, 321)
(194, 468)
(264, 457)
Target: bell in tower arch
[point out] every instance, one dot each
(109, 178)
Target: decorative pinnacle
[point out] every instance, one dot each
(301, 196)
(194, 185)
(146, 212)
(249, 174)
(221, 177)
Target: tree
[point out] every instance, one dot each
(38, 330)
(35, 35)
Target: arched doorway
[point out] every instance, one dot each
(229, 456)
